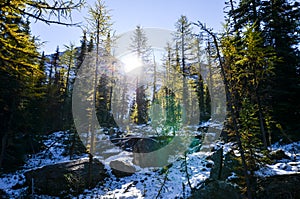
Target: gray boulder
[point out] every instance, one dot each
(66, 178)
(121, 168)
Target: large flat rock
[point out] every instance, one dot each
(66, 178)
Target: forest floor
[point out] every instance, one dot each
(173, 181)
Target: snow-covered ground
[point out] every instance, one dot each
(155, 183)
(167, 182)
(288, 165)
(53, 153)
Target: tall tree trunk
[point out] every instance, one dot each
(210, 86)
(93, 119)
(154, 79)
(50, 74)
(68, 74)
(3, 148)
(184, 84)
(111, 90)
(261, 120)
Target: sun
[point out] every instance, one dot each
(130, 62)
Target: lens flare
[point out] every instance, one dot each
(130, 62)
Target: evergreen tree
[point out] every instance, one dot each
(207, 103)
(55, 95)
(154, 79)
(102, 101)
(141, 105)
(20, 73)
(105, 87)
(81, 53)
(139, 44)
(140, 48)
(172, 111)
(278, 20)
(197, 70)
(281, 30)
(247, 12)
(68, 61)
(54, 66)
(90, 46)
(111, 68)
(212, 79)
(37, 105)
(133, 111)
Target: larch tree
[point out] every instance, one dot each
(20, 70)
(99, 22)
(246, 66)
(279, 23)
(183, 37)
(230, 98)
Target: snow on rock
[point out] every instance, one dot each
(13, 183)
(170, 182)
(53, 153)
(288, 164)
(9, 181)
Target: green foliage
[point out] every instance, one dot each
(142, 105)
(104, 115)
(20, 74)
(278, 22)
(23, 101)
(250, 134)
(281, 19)
(165, 112)
(207, 103)
(80, 54)
(248, 68)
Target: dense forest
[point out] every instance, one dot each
(246, 78)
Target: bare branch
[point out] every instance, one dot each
(41, 10)
(69, 5)
(48, 22)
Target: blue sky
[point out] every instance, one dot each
(127, 14)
